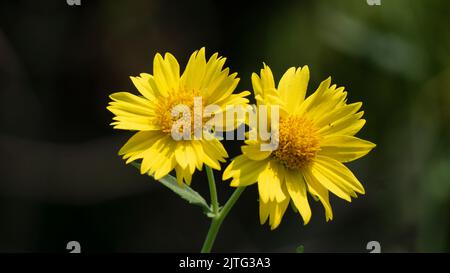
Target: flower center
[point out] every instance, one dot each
(298, 142)
(165, 106)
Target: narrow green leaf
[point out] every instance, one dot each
(185, 192)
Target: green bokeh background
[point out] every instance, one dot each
(61, 178)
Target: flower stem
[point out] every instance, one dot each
(218, 219)
(212, 189)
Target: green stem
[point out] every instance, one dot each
(212, 189)
(218, 219)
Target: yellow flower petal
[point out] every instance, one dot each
(192, 158)
(325, 179)
(140, 141)
(296, 186)
(339, 173)
(267, 78)
(264, 211)
(270, 183)
(134, 124)
(146, 86)
(234, 100)
(155, 155)
(213, 69)
(277, 211)
(264, 87)
(336, 114)
(348, 125)
(222, 87)
(203, 157)
(166, 74)
(244, 171)
(132, 112)
(292, 87)
(131, 103)
(253, 151)
(315, 188)
(181, 154)
(345, 148)
(315, 99)
(183, 175)
(195, 70)
(330, 99)
(215, 149)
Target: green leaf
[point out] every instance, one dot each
(185, 192)
(300, 249)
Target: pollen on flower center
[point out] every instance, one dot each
(298, 144)
(165, 105)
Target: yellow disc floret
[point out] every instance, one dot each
(165, 106)
(298, 142)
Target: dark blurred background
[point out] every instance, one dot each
(61, 178)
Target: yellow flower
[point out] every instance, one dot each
(315, 136)
(150, 114)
